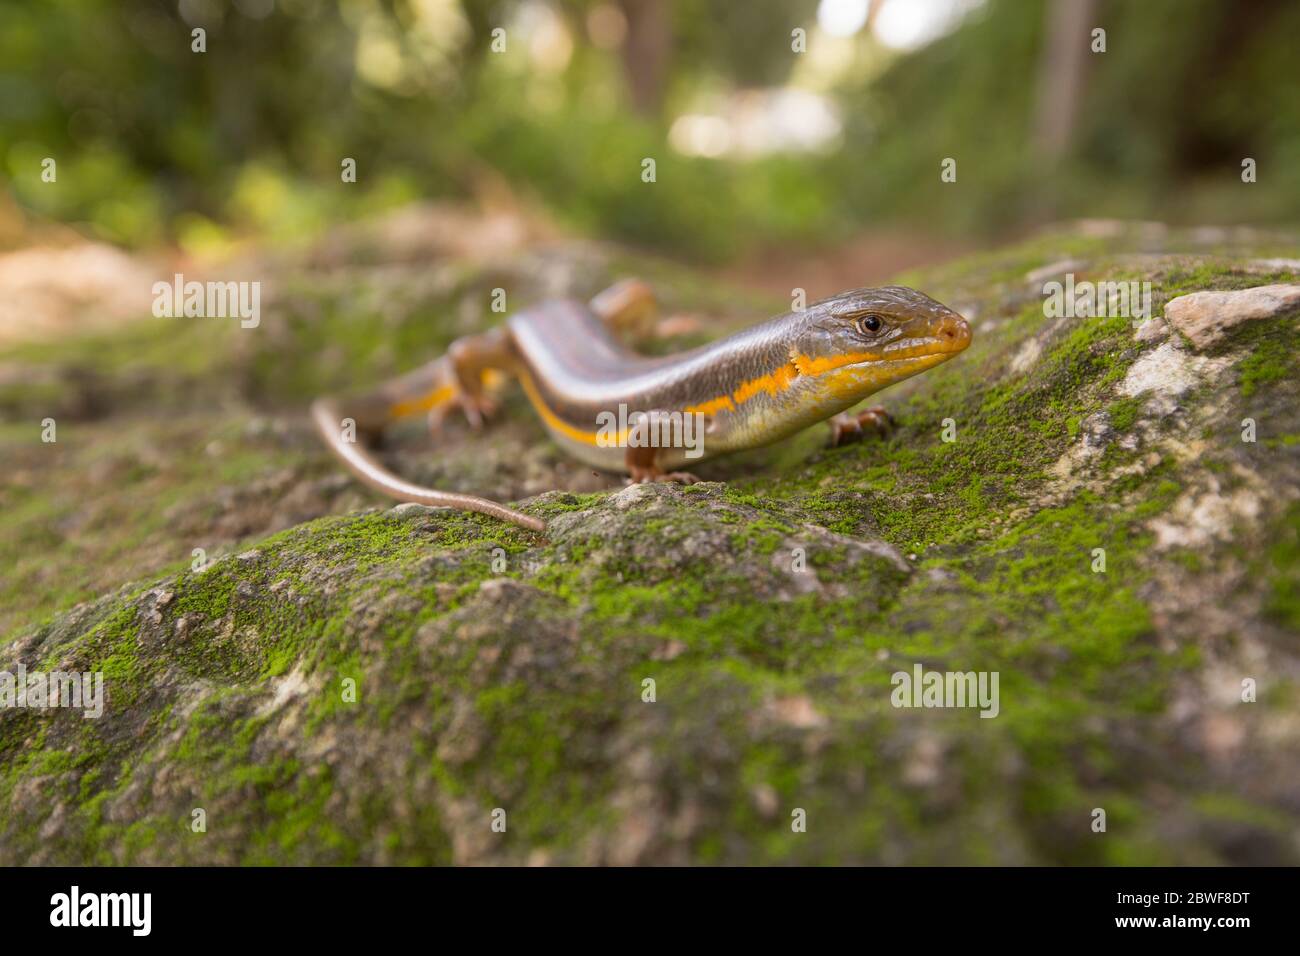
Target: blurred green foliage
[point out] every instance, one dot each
(156, 143)
(1185, 90)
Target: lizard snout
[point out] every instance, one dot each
(951, 331)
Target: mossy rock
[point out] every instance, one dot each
(351, 684)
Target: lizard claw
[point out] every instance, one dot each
(642, 476)
(680, 477)
(476, 412)
(476, 408)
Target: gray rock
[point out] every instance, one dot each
(1206, 318)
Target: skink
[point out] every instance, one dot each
(600, 401)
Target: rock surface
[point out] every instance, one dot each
(674, 673)
(1207, 317)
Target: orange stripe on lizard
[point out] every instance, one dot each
(424, 403)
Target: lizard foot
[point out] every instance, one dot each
(846, 427)
(642, 476)
(476, 409)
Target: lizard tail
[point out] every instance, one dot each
(368, 414)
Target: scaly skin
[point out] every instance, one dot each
(749, 389)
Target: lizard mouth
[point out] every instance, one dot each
(944, 335)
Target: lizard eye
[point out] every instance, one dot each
(868, 323)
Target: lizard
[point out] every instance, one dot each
(751, 388)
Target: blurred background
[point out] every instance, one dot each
(772, 145)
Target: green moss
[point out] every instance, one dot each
(1282, 572)
(1271, 361)
(1124, 412)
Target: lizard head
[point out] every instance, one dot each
(859, 342)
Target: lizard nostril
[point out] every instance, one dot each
(955, 330)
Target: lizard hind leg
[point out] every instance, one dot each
(628, 308)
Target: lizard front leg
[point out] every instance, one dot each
(641, 458)
(847, 427)
(641, 469)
